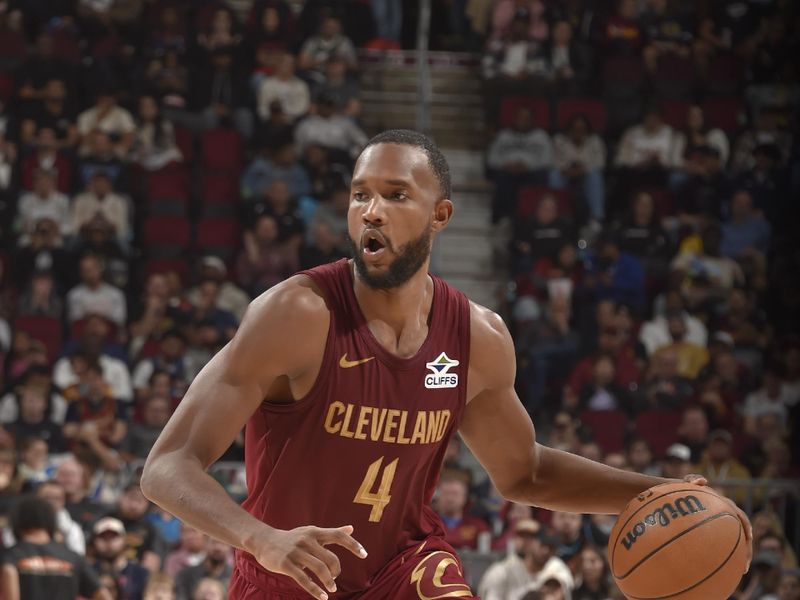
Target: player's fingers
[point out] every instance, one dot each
(342, 537)
(748, 536)
(304, 581)
(319, 568)
(326, 556)
(696, 479)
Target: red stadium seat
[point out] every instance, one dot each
(659, 428)
(674, 77)
(592, 109)
(178, 266)
(529, 198)
(66, 48)
(222, 151)
(106, 47)
(608, 428)
(725, 113)
(166, 237)
(45, 329)
(623, 71)
(76, 329)
(540, 110)
(220, 193)
(13, 50)
(168, 191)
(725, 75)
(6, 88)
(185, 141)
(675, 113)
(663, 201)
(218, 236)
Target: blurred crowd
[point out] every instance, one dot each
(161, 163)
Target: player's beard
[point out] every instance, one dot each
(409, 259)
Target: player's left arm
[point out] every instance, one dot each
(498, 430)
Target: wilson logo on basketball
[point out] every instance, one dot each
(685, 506)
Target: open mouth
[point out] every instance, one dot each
(373, 242)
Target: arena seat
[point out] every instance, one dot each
(659, 428)
(539, 107)
(218, 236)
(529, 198)
(594, 110)
(674, 77)
(165, 265)
(675, 113)
(67, 48)
(726, 113)
(220, 195)
(45, 329)
(185, 141)
(725, 75)
(222, 150)
(166, 237)
(608, 428)
(13, 50)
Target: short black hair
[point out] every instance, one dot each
(436, 160)
(32, 513)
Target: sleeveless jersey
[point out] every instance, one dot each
(365, 446)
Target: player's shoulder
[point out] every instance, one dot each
(491, 346)
(292, 310)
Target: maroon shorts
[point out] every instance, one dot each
(423, 574)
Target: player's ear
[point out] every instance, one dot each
(442, 211)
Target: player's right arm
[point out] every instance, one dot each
(281, 339)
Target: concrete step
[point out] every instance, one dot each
(486, 293)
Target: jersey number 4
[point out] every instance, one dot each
(377, 500)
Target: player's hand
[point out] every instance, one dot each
(748, 528)
(292, 552)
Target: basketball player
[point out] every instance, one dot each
(351, 378)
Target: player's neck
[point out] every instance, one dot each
(405, 306)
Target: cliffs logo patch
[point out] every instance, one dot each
(439, 377)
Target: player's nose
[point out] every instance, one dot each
(374, 212)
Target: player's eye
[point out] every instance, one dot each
(400, 196)
(359, 196)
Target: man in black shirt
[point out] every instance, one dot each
(36, 568)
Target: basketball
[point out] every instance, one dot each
(678, 541)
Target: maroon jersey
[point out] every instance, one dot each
(365, 446)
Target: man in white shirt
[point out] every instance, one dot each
(288, 90)
(45, 201)
(533, 562)
(646, 146)
(100, 201)
(329, 129)
(519, 155)
(109, 118)
(95, 296)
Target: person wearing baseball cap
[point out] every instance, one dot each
(677, 462)
(533, 562)
(720, 465)
(110, 551)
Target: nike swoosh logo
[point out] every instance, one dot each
(346, 364)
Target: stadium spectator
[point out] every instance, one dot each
(33, 420)
(542, 235)
(747, 232)
(622, 34)
(94, 296)
(286, 88)
(206, 309)
(696, 135)
(169, 359)
(323, 246)
(339, 86)
(144, 544)
(720, 465)
(41, 67)
(691, 357)
(154, 146)
(532, 12)
(33, 464)
(41, 298)
(216, 565)
(100, 205)
(644, 152)
(168, 76)
(579, 158)
(62, 573)
(220, 93)
(331, 129)
(43, 202)
(68, 532)
(220, 31)
(640, 456)
(160, 586)
(665, 388)
(531, 564)
(614, 274)
(666, 32)
(327, 43)
(677, 461)
(110, 118)
(718, 273)
(514, 58)
(47, 155)
(74, 478)
(100, 156)
(593, 577)
(655, 334)
(110, 556)
(278, 161)
(462, 530)
(265, 261)
(568, 528)
(190, 552)
(765, 131)
(231, 298)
